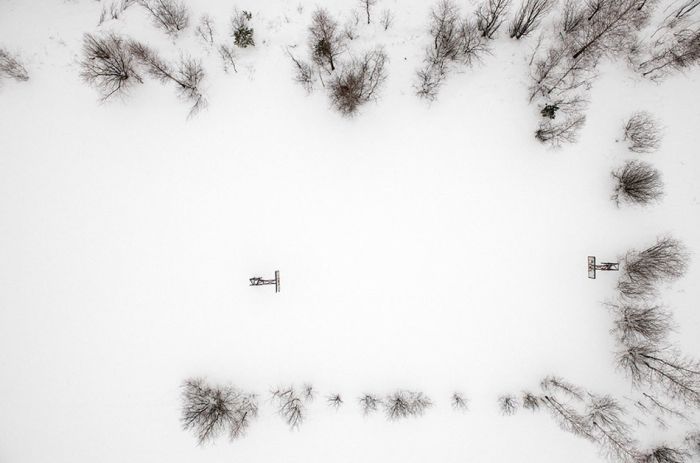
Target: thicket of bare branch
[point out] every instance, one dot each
(508, 404)
(243, 34)
(187, 75)
(206, 30)
(12, 67)
(605, 418)
(290, 406)
(692, 440)
(210, 411)
(228, 57)
(530, 401)
(108, 64)
(676, 376)
(663, 454)
(305, 74)
(170, 15)
(369, 403)
(490, 14)
(638, 322)
(386, 19)
(334, 401)
(637, 182)
(405, 404)
(642, 270)
(555, 133)
(358, 82)
(325, 39)
(115, 10)
(459, 402)
(454, 41)
(643, 133)
(529, 16)
(649, 404)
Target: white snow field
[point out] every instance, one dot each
(433, 247)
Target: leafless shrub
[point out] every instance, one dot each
(673, 47)
(115, 10)
(508, 405)
(309, 392)
(554, 385)
(187, 76)
(647, 364)
(228, 57)
(243, 34)
(651, 405)
(568, 103)
(640, 322)
(290, 406)
(368, 5)
(666, 260)
(325, 39)
(663, 454)
(386, 19)
(459, 402)
(572, 17)
(567, 417)
(404, 404)
(490, 15)
(637, 182)
(358, 82)
(12, 67)
(211, 410)
(305, 74)
(170, 15)
(369, 403)
(529, 16)
(334, 401)
(108, 64)
(604, 416)
(206, 30)
(692, 440)
(557, 133)
(530, 401)
(642, 132)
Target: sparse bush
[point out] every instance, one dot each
(386, 19)
(290, 406)
(325, 39)
(309, 392)
(115, 10)
(243, 34)
(170, 15)
(334, 401)
(572, 16)
(459, 402)
(642, 133)
(530, 401)
(205, 30)
(666, 260)
(358, 82)
(305, 74)
(369, 403)
(12, 67)
(663, 454)
(651, 405)
(637, 323)
(692, 440)
(212, 410)
(529, 16)
(490, 15)
(368, 5)
(108, 64)
(228, 57)
(557, 133)
(678, 377)
(404, 404)
(605, 418)
(554, 385)
(508, 405)
(637, 182)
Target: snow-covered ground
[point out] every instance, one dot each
(433, 247)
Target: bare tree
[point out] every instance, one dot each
(242, 32)
(642, 132)
(508, 404)
(530, 401)
(637, 322)
(663, 454)
(555, 385)
(557, 133)
(459, 402)
(358, 82)
(205, 30)
(649, 404)
(305, 74)
(404, 404)
(12, 67)
(187, 76)
(325, 40)
(529, 16)
(170, 15)
(573, 16)
(647, 364)
(637, 182)
(692, 440)
(290, 406)
(228, 56)
(108, 64)
(212, 410)
(369, 403)
(665, 260)
(368, 5)
(604, 417)
(334, 401)
(677, 51)
(490, 15)
(309, 392)
(386, 19)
